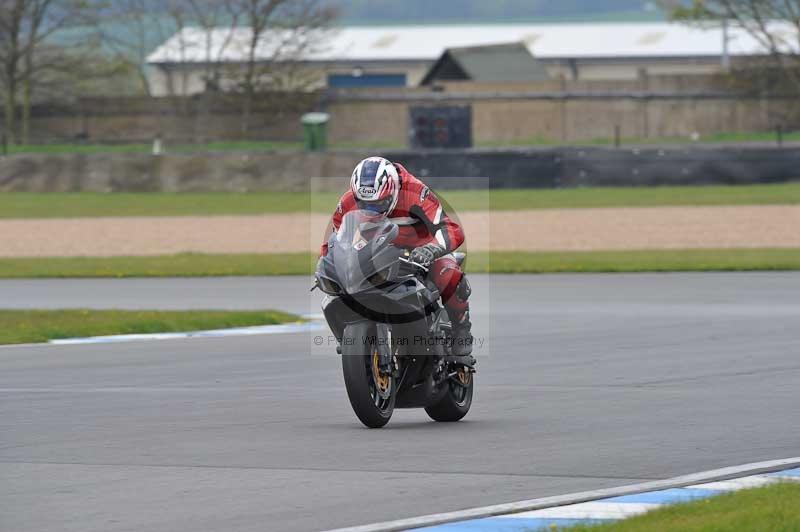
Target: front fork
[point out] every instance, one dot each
(383, 334)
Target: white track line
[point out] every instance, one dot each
(315, 324)
(737, 484)
(216, 333)
(588, 510)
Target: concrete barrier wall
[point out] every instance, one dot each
(592, 167)
(550, 168)
(495, 120)
(169, 173)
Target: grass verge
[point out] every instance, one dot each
(31, 326)
(148, 147)
(86, 204)
(760, 137)
(775, 508)
(680, 260)
(183, 265)
(218, 146)
(256, 146)
(199, 265)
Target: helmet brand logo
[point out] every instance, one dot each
(367, 191)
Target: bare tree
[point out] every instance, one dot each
(28, 50)
(774, 24)
(280, 33)
(132, 28)
(219, 21)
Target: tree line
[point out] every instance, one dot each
(773, 24)
(58, 50)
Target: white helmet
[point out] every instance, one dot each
(375, 185)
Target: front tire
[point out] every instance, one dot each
(457, 401)
(371, 394)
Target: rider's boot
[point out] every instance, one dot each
(458, 311)
(462, 333)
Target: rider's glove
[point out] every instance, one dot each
(425, 255)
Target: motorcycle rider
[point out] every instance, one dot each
(388, 189)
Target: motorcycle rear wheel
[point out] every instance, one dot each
(372, 394)
(457, 401)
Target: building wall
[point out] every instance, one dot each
(175, 119)
(176, 81)
(506, 121)
(626, 69)
(413, 70)
(556, 111)
(369, 123)
(188, 79)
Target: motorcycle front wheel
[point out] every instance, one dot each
(457, 401)
(371, 393)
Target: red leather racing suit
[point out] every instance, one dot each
(422, 220)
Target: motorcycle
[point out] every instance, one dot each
(392, 333)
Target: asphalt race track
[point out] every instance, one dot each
(585, 381)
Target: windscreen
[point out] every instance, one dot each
(352, 249)
(359, 227)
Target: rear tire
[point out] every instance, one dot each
(455, 404)
(373, 404)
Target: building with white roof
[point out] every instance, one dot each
(401, 55)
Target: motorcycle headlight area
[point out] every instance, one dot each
(382, 277)
(329, 287)
(377, 279)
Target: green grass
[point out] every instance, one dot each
(218, 146)
(763, 136)
(183, 265)
(774, 508)
(636, 261)
(266, 145)
(31, 326)
(198, 265)
(715, 138)
(148, 147)
(87, 204)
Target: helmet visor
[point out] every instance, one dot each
(378, 207)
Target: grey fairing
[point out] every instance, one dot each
(403, 295)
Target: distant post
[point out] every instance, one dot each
(779, 135)
(726, 52)
(617, 136)
(158, 147)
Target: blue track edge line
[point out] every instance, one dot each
(669, 496)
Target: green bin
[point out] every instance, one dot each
(315, 131)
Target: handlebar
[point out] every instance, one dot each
(416, 264)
